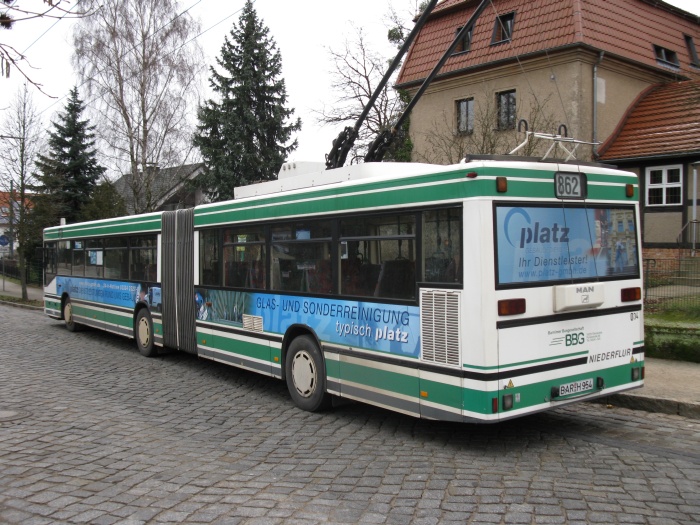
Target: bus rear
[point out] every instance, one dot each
(566, 317)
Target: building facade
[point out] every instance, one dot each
(564, 66)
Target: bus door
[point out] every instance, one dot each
(177, 263)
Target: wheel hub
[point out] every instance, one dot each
(304, 374)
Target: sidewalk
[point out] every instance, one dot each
(12, 289)
(670, 387)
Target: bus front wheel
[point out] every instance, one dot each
(306, 376)
(143, 333)
(68, 318)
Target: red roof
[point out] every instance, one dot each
(663, 121)
(625, 28)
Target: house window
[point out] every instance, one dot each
(666, 56)
(692, 51)
(505, 101)
(465, 42)
(465, 116)
(664, 186)
(503, 29)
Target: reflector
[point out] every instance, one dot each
(630, 294)
(501, 184)
(511, 306)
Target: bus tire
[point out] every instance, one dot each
(68, 318)
(306, 375)
(143, 333)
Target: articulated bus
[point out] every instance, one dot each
(475, 292)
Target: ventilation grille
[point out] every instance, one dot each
(439, 328)
(253, 322)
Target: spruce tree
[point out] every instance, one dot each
(69, 173)
(245, 136)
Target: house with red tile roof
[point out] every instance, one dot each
(580, 67)
(659, 139)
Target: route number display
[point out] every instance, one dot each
(570, 185)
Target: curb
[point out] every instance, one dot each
(652, 404)
(25, 306)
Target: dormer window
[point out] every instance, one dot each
(503, 29)
(666, 56)
(692, 51)
(465, 43)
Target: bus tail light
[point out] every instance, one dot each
(511, 306)
(507, 402)
(636, 373)
(630, 294)
(494, 405)
(629, 191)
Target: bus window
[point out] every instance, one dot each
(93, 258)
(78, 258)
(442, 246)
(50, 262)
(142, 255)
(379, 256)
(64, 258)
(116, 258)
(244, 258)
(538, 244)
(209, 269)
(301, 257)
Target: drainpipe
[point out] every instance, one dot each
(595, 104)
(695, 203)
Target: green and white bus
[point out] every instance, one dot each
(474, 292)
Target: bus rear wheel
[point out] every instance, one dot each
(306, 375)
(68, 318)
(143, 333)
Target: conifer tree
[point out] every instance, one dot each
(69, 173)
(245, 136)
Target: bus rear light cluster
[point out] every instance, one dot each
(629, 191)
(637, 373)
(511, 306)
(630, 294)
(507, 401)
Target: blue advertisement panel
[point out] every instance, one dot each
(115, 293)
(386, 328)
(540, 244)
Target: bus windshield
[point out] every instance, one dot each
(544, 244)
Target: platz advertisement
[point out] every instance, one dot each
(537, 244)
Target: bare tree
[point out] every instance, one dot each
(20, 130)
(140, 63)
(357, 70)
(14, 12)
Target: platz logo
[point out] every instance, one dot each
(537, 234)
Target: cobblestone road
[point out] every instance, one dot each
(91, 432)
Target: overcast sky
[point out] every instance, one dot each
(303, 31)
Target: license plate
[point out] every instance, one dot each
(576, 387)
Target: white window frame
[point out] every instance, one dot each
(664, 185)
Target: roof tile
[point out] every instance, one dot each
(625, 28)
(664, 120)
